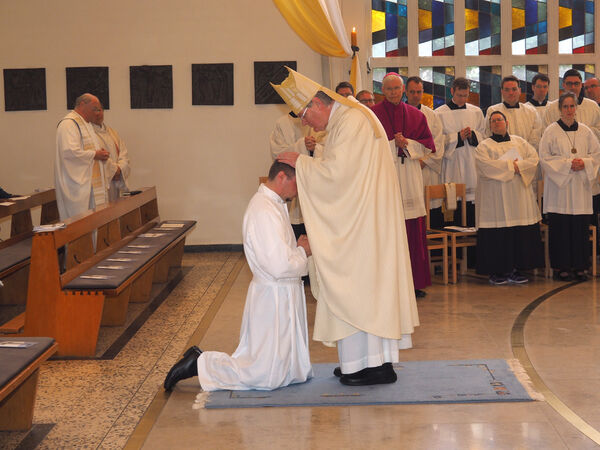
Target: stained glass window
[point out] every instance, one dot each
(485, 85)
(482, 27)
(436, 27)
(388, 27)
(575, 26)
(529, 27)
(437, 82)
(379, 73)
(525, 74)
(586, 71)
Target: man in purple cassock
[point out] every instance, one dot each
(410, 141)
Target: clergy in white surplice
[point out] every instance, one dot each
(354, 218)
(79, 162)
(431, 163)
(570, 157)
(464, 127)
(289, 135)
(116, 167)
(523, 119)
(273, 347)
(507, 214)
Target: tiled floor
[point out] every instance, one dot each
(99, 403)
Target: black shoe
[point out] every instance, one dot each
(186, 367)
(419, 293)
(383, 374)
(337, 372)
(581, 276)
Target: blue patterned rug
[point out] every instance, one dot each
(484, 380)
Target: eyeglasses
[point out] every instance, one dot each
(572, 83)
(304, 113)
(367, 101)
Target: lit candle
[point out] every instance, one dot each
(353, 37)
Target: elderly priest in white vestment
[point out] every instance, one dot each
(352, 210)
(79, 164)
(273, 347)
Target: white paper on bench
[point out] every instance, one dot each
(20, 198)
(119, 259)
(49, 227)
(465, 229)
(130, 252)
(172, 225)
(17, 344)
(7, 203)
(96, 277)
(138, 246)
(152, 235)
(111, 267)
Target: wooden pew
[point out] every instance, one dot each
(18, 382)
(71, 306)
(15, 252)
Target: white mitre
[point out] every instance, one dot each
(297, 91)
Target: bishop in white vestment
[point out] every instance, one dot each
(353, 213)
(273, 347)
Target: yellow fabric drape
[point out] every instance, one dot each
(308, 20)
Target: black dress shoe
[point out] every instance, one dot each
(383, 374)
(420, 293)
(337, 372)
(186, 367)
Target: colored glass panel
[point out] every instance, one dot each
(437, 82)
(576, 26)
(485, 85)
(529, 24)
(482, 27)
(389, 29)
(436, 27)
(525, 74)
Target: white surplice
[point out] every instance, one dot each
(567, 191)
(523, 121)
(273, 348)
(410, 177)
(540, 109)
(119, 158)
(504, 198)
(432, 172)
(458, 165)
(73, 165)
(288, 136)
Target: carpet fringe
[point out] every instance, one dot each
(200, 400)
(521, 375)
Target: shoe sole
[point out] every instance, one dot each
(518, 282)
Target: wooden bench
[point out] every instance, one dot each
(19, 369)
(71, 306)
(15, 252)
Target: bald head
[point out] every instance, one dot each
(88, 106)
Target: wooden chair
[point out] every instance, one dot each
(546, 234)
(457, 239)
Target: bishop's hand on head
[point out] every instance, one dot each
(288, 158)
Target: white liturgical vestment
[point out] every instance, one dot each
(459, 162)
(432, 172)
(567, 191)
(119, 158)
(503, 197)
(76, 145)
(523, 121)
(288, 136)
(354, 219)
(273, 347)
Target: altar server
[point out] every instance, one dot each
(570, 156)
(464, 126)
(273, 348)
(508, 231)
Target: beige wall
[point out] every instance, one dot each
(204, 160)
